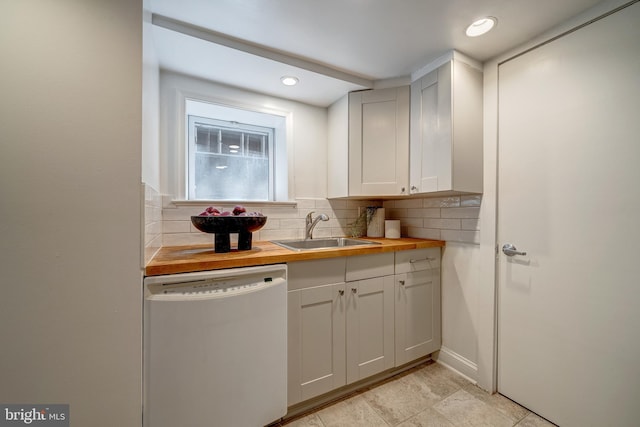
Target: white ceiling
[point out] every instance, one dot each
(334, 46)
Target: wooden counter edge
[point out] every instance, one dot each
(173, 260)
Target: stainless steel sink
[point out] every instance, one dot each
(336, 242)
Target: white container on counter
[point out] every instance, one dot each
(392, 228)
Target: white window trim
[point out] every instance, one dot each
(178, 149)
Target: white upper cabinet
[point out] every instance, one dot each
(338, 149)
(446, 129)
(379, 142)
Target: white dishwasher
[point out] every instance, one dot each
(215, 348)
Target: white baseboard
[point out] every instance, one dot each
(461, 365)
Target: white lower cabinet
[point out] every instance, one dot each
(354, 317)
(316, 341)
(316, 331)
(417, 304)
(370, 347)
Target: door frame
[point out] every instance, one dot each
(487, 322)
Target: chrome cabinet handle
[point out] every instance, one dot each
(413, 261)
(509, 250)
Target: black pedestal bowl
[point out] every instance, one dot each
(222, 226)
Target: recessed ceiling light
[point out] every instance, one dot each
(233, 151)
(221, 167)
(481, 26)
(289, 80)
(235, 147)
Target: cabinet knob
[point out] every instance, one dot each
(401, 282)
(414, 188)
(354, 290)
(341, 292)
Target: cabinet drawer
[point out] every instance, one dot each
(417, 260)
(368, 266)
(306, 274)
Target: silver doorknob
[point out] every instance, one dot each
(509, 250)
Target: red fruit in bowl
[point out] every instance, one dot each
(212, 210)
(225, 213)
(238, 210)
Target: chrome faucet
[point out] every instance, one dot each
(311, 223)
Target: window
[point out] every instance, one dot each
(233, 154)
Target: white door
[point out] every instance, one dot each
(569, 195)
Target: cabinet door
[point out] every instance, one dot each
(370, 342)
(446, 130)
(431, 131)
(417, 314)
(379, 142)
(316, 341)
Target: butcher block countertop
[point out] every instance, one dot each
(186, 259)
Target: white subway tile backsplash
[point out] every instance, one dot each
(345, 213)
(460, 236)
(280, 212)
(182, 239)
(431, 213)
(441, 202)
(411, 222)
(461, 213)
(452, 218)
(322, 232)
(152, 222)
(340, 231)
(470, 224)
(415, 213)
(272, 224)
(323, 204)
(176, 226)
(284, 222)
(395, 213)
(179, 213)
(290, 223)
(306, 203)
(282, 234)
(153, 228)
(338, 204)
(423, 233)
(450, 224)
(470, 200)
(408, 203)
(151, 247)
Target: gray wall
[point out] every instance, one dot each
(70, 202)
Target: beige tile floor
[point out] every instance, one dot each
(427, 396)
